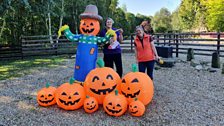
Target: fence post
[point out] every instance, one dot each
(164, 37)
(218, 42)
(131, 42)
(157, 40)
(169, 39)
(177, 45)
(21, 45)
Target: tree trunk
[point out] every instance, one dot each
(3, 26)
(61, 17)
(49, 27)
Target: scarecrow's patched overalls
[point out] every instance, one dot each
(86, 54)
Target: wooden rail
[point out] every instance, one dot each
(180, 42)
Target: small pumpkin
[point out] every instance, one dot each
(46, 96)
(101, 81)
(90, 104)
(89, 26)
(137, 84)
(115, 104)
(70, 96)
(136, 108)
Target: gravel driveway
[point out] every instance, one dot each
(183, 96)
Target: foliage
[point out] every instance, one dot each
(162, 21)
(215, 14)
(44, 17)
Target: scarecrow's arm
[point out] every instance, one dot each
(109, 34)
(69, 35)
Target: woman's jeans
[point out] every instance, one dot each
(149, 65)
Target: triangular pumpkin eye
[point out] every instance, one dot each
(123, 81)
(95, 78)
(135, 80)
(42, 96)
(91, 24)
(50, 95)
(135, 106)
(110, 103)
(63, 93)
(84, 23)
(109, 76)
(76, 93)
(118, 105)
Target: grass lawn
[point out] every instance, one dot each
(17, 68)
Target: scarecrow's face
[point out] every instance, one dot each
(89, 26)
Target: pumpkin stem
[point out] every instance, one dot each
(71, 81)
(136, 99)
(47, 85)
(134, 68)
(87, 96)
(116, 92)
(100, 62)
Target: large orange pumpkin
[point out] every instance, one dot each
(89, 26)
(90, 104)
(115, 104)
(136, 108)
(70, 96)
(46, 96)
(137, 84)
(101, 81)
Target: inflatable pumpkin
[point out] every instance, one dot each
(46, 96)
(70, 96)
(90, 104)
(87, 49)
(115, 104)
(101, 81)
(136, 108)
(137, 84)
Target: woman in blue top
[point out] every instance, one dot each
(112, 56)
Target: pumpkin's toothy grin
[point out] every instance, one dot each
(87, 30)
(69, 102)
(47, 101)
(134, 112)
(113, 111)
(131, 95)
(103, 91)
(91, 108)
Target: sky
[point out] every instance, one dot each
(149, 7)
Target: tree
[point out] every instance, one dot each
(215, 14)
(162, 21)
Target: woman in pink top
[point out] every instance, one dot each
(146, 53)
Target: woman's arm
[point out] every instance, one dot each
(154, 49)
(120, 37)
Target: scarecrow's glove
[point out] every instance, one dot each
(111, 33)
(62, 29)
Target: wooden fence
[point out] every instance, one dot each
(43, 45)
(202, 43)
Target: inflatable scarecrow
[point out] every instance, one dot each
(88, 42)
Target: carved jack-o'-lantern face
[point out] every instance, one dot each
(70, 96)
(115, 104)
(90, 104)
(89, 26)
(100, 82)
(136, 108)
(46, 96)
(139, 85)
